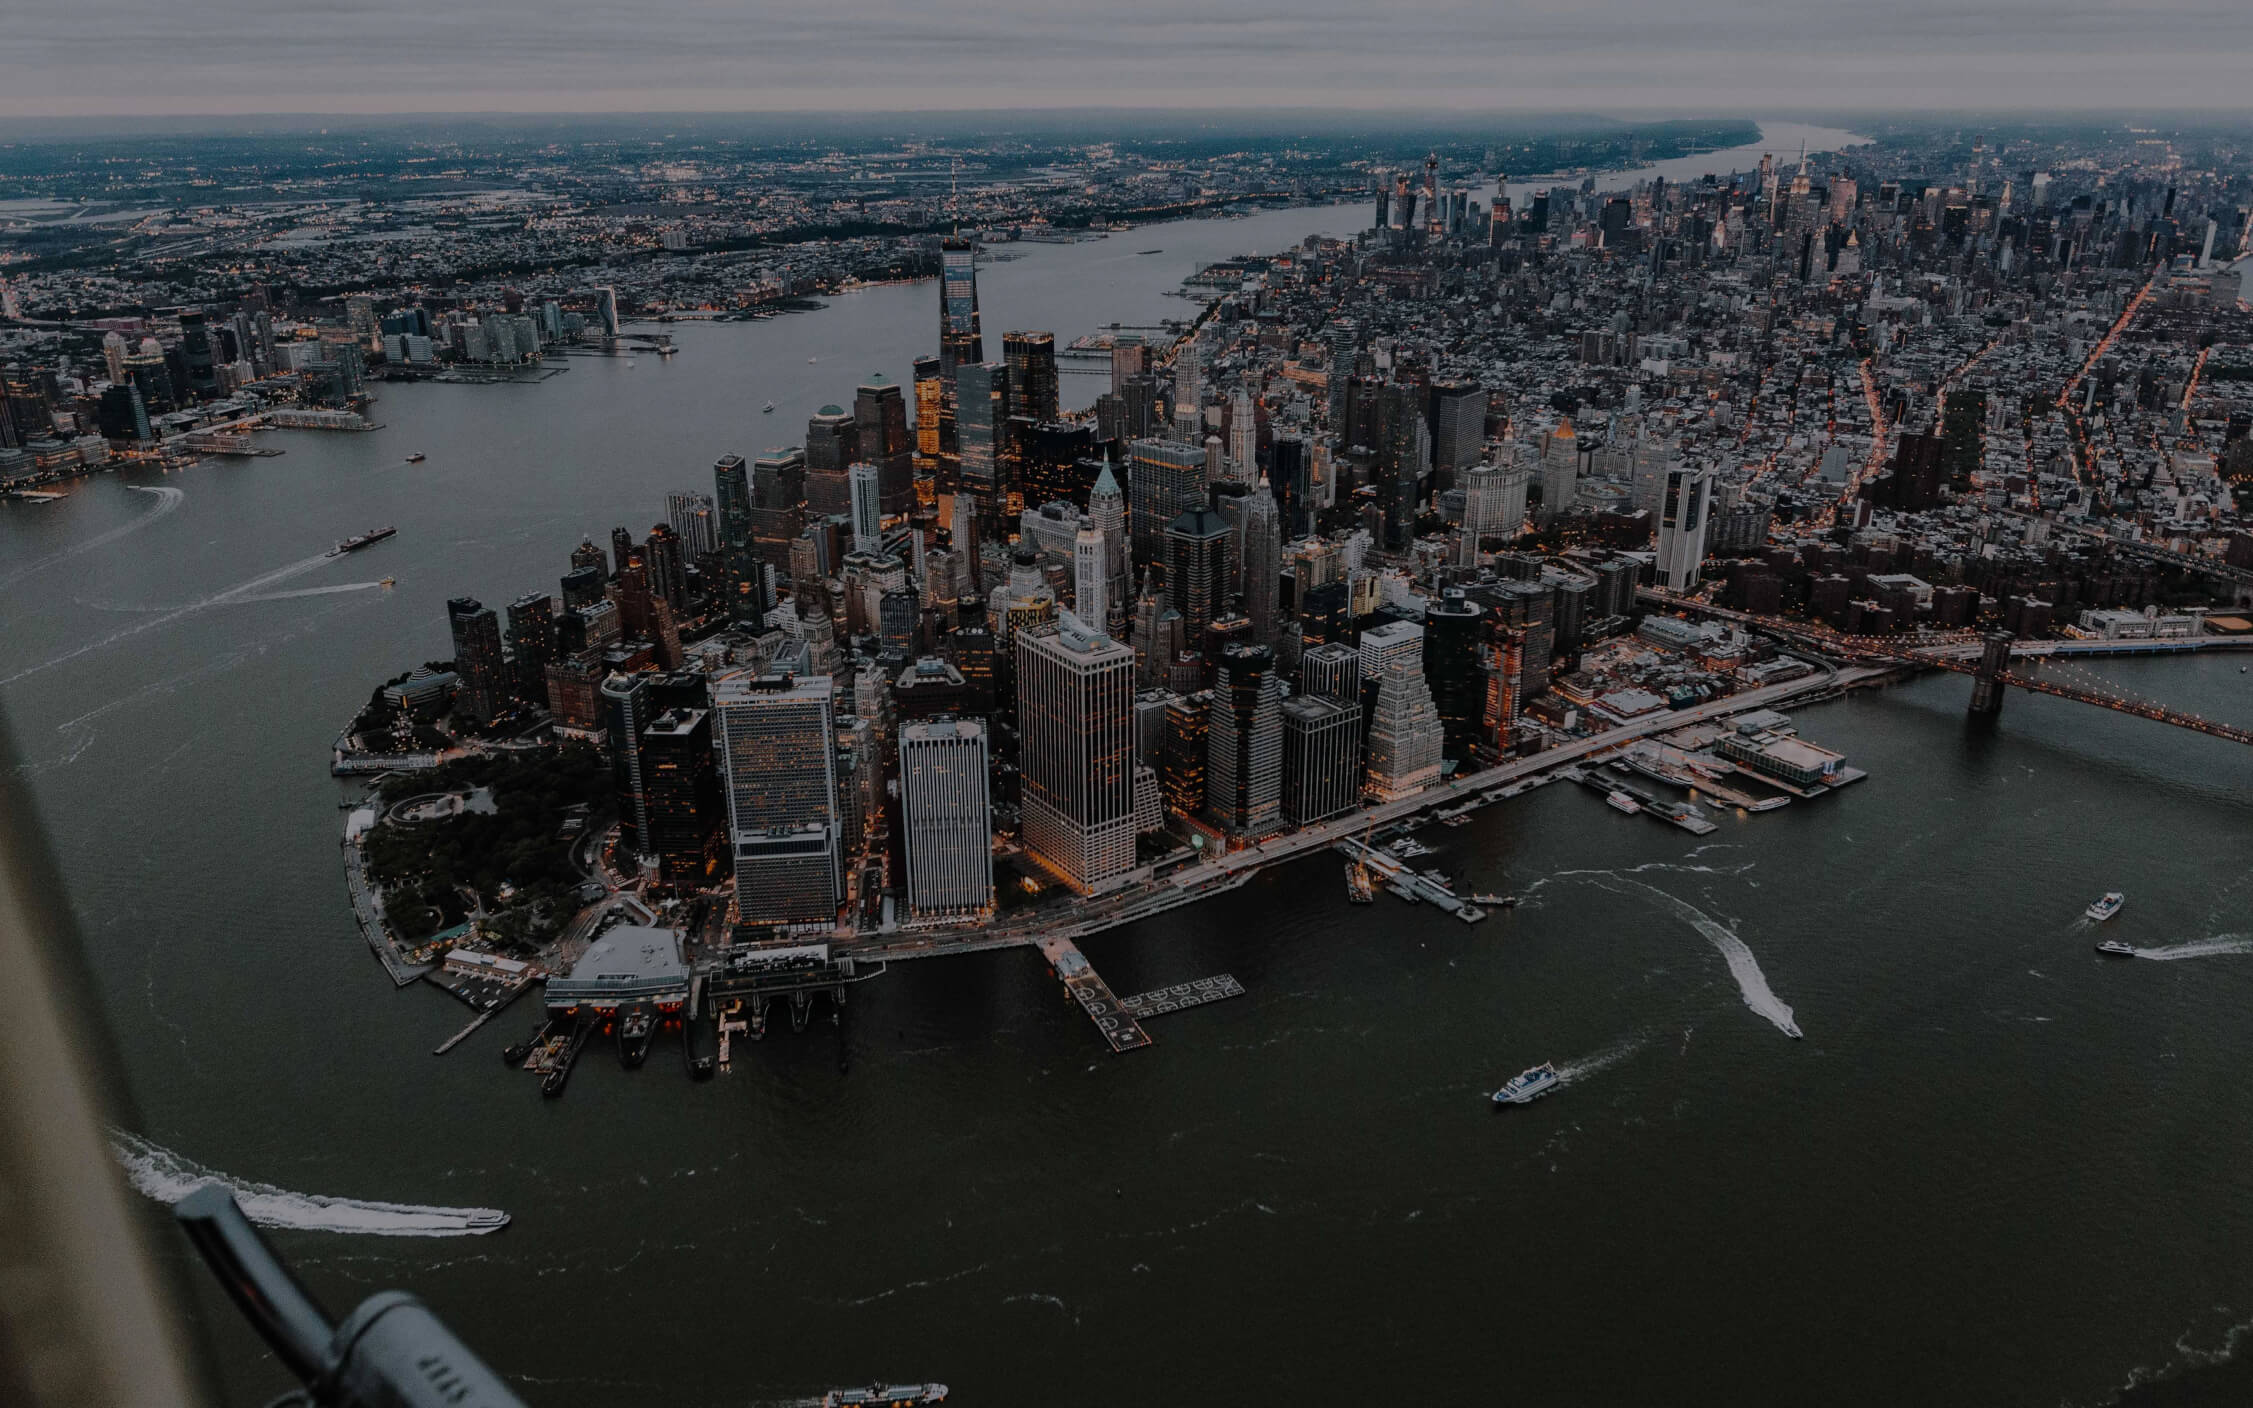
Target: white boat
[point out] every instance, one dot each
(767, 409)
(2107, 907)
(1620, 801)
(2113, 948)
(1528, 1086)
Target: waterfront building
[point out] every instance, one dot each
(1454, 648)
(477, 658)
(774, 733)
(1404, 729)
(947, 818)
(833, 443)
(531, 641)
(1075, 697)
(1244, 741)
(1321, 758)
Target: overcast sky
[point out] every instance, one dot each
(1719, 57)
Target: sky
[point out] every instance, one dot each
(100, 58)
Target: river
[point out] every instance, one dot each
(1998, 1170)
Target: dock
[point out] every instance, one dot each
(1118, 1026)
(1654, 806)
(1182, 996)
(464, 1034)
(1411, 885)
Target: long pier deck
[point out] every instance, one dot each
(1183, 996)
(1094, 996)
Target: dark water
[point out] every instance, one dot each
(1998, 1169)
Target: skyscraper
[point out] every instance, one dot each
(478, 661)
(1458, 429)
(531, 641)
(1107, 511)
(1244, 741)
(959, 341)
(1332, 671)
(979, 415)
(693, 520)
(1200, 553)
(1031, 360)
(1091, 576)
(1075, 710)
(868, 519)
(1165, 478)
(1454, 642)
(625, 711)
(1243, 437)
(1682, 526)
(832, 443)
(1321, 758)
(1404, 732)
(680, 795)
(1560, 472)
(1493, 507)
(948, 821)
(1262, 562)
(880, 413)
(773, 734)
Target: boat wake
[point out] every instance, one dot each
(2201, 948)
(1751, 982)
(240, 593)
(158, 1173)
(1598, 1061)
(167, 498)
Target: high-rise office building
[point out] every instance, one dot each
(1493, 507)
(947, 818)
(979, 418)
(1107, 511)
(959, 340)
(1332, 670)
(774, 735)
(1243, 437)
(1404, 731)
(694, 521)
(1200, 561)
(1682, 526)
(832, 444)
(680, 795)
(1458, 427)
(1321, 758)
(1091, 576)
(478, 662)
(1454, 644)
(1165, 478)
(1261, 572)
(531, 642)
(1075, 712)
(1560, 472)
(1244, 741)
(867, 497)
(626, 712)
(1181, 773)
(880, 413)
(1031, 360)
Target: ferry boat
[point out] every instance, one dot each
(373, 535)
(634, 1029)
(1528, 1086)
(2113, 948)
(885, 1396)
(2107, 907)
(1620, 801)
(486, 1220)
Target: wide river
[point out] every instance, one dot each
(1998, 1170)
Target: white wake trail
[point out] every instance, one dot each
(2200, 948)
(168, 499)
(1751, 982)
(1598, 1061)
(158, 1173)
(233, 595)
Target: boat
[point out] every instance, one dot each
(767, 409)
(417, 457)
(1358, 888)
(633, 1035)
(885, 1396)
(2113, 948)
(1620, 801)
(2107, 907)
(1528, 1086)
(702, 1045)
(667, 350)
(486, 1220)
(388, 582)
(373, 535)
(1149, 251)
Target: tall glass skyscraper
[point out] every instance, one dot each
(1075, 712)
(774, 737)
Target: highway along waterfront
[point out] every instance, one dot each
(1300, 1192)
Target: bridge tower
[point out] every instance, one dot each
(1987, 681)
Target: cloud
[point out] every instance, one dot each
(98, 57)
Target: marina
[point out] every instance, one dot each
(1182, 996)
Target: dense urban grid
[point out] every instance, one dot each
(1521, 471)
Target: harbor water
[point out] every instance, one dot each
(1998, 1169)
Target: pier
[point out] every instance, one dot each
(1182, 996)
(1094, 996)
(1409, 884)
(1654, 806)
